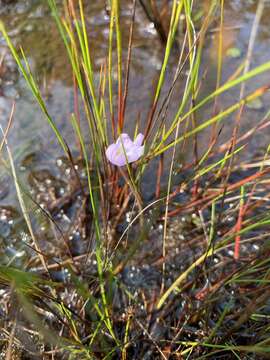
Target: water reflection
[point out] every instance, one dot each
(30, 24)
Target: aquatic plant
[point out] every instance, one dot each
(125, 150)
(191, 300)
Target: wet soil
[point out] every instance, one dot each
(59, 206)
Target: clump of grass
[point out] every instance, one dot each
(193, 298)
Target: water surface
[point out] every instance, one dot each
(31, 25)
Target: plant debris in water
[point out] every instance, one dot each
(221, 301)
(94, 268)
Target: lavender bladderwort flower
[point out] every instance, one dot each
(125, 150)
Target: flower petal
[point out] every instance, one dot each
(124, 139)
(139, 139)
(115, 155)
(110, 152)
(120, 160)
(135, 153)
(125, 150)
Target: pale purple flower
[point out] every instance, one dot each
(125, 150)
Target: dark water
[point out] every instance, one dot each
(30, 24)
(46, 175)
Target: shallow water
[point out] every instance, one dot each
(48, 177)
(30, 24)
